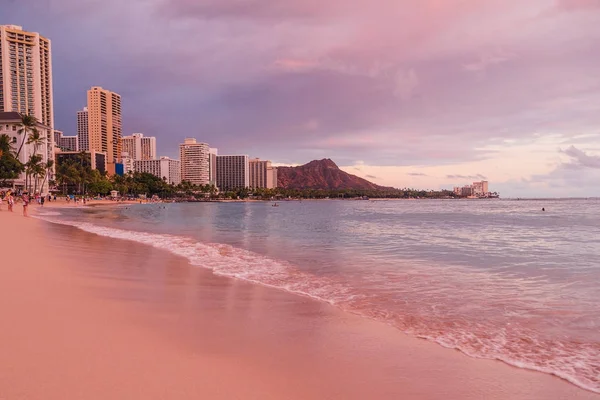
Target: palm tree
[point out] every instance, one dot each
(47, 167)
(36, 140)
(34, 168)
(5, 144)
(28, 123)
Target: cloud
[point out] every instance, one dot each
(478, 176)
(405, 83)
(486, 60)
(396, 83)
(371, 176)
(581, 159)
(416, 174)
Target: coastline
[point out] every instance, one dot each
(135, 321)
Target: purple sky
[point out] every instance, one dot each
(428, 93)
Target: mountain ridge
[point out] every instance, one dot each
(322, 174)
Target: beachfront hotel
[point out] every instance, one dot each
(82, 129)
(195, 165)
(26, 74)
(26, 88)
(139, 147)
(165, 168)
(262, 174)
(232, 172)
(104, 124)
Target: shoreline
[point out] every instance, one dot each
(478, 378)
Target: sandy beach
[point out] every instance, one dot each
(89, 317)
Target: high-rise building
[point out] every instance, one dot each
(26, 80)
(26, 74)
(195, 163)
(232, 172)
(65, 143)
(139, 147)
(104, 124)
(83, 135)
(262, 174)
(164, 168)
(212, 165)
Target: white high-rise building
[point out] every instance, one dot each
(164, 168)
(140, 147)
(195, 164)
(262, 174)
(82, 130)
(232, 172)
(128, 163)
(26, 74)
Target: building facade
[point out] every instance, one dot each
(65, 143)
(212, 166)
(26, 74)
(82, 130)
(232, 172)
(139, 147)
(262, 174)
(9, 125)
(164, 168)
(128, 163)
(195, 162)
(104, 124)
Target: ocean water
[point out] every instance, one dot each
(496, 279)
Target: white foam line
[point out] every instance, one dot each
(196, 253)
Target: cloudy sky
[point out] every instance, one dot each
(408, 93)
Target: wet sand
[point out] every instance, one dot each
(89, 317)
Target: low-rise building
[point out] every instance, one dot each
(10, 124)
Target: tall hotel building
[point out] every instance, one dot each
(139, 147)
(262, 174)
(232, 172)
(26, 74)
(104, 124)
(195, 164)
(26, 83)
(83, 136)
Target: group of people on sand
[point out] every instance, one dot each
(10, 201)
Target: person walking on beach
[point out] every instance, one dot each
(42, 199)
(10, 201)
(25, 199)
